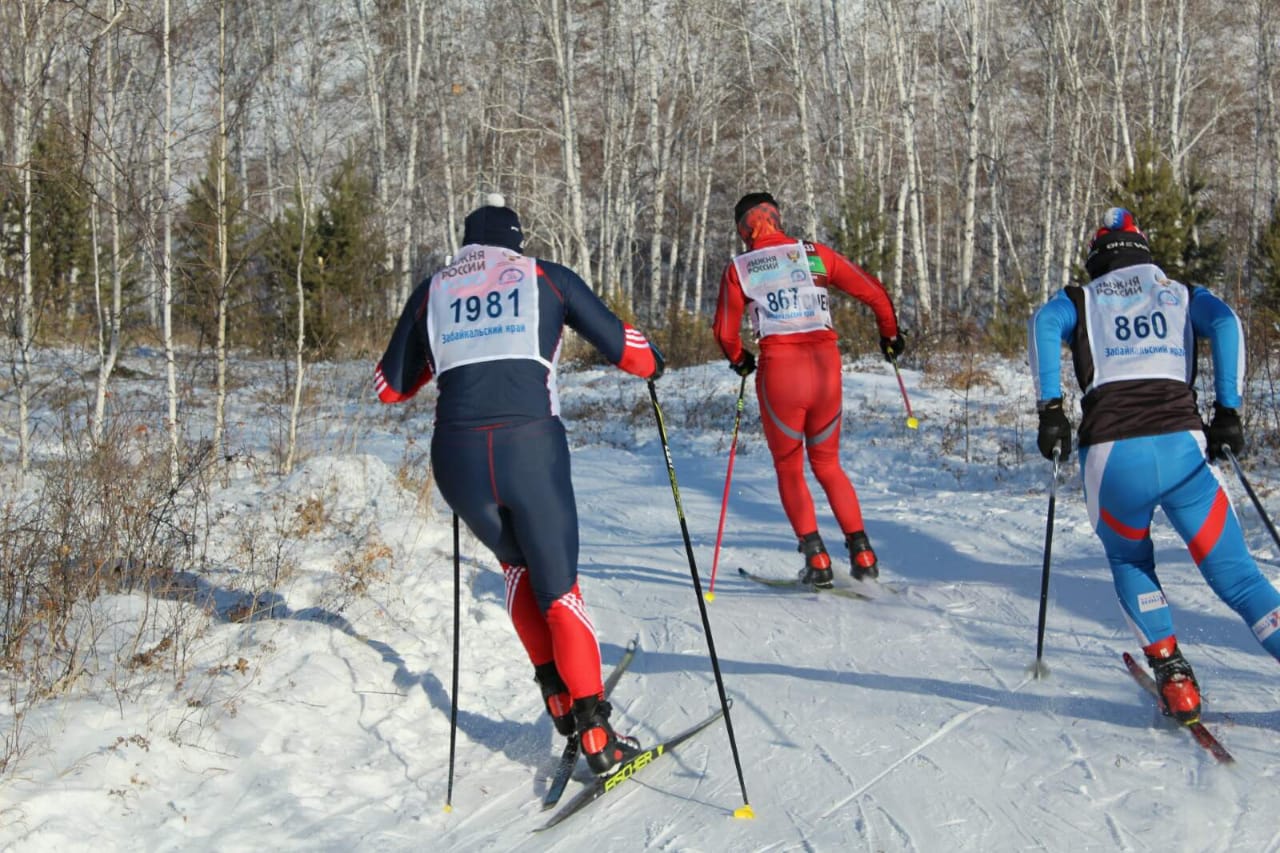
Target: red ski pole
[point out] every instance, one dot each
(724, 502)
(912, 423)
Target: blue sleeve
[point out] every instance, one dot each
(1213, 319)
(1049, 328)
(585, 313)
(407, 364)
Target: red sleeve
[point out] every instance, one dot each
(637, 356)
(861, 285)
(387, 394)
(727, 323)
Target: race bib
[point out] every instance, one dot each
(1138, 326)
(784, 299)
(484, 307)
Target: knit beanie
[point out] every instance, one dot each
(1117, 244)
(495, 224)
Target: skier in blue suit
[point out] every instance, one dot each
(1132, 333)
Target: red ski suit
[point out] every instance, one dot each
(798, 381)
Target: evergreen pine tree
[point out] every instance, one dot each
(1174, 216)
(1266, 254)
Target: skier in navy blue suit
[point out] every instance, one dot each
(489, 326)
(1132, 332)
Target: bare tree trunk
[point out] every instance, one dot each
(224, 269)
(1048, 161)
(26, 105)
(701, 216)
(166, 256)
(800, 59)
(1118, 52)
(300, 342)
(972, 38)
(557, 23)
(903, 59)
(108, 324)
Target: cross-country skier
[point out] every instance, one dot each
(489, 326)
(1132, 333)
(783, 282)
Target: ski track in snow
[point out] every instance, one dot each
(908, 723)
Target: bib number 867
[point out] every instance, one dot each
(1141, 326)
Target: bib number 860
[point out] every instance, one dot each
(1141, 327)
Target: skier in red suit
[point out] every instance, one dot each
(783, 283)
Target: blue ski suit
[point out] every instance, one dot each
(1132, 333)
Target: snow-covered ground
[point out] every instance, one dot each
(905, 723)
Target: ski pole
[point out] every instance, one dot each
(724, 502)
(743, 811)
(1257, 504)
(457, 631)
(912, 423)
(1039, 669)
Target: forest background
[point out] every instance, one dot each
(270, 179)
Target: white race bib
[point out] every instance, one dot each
(1138, 326)
(784, 299)
(484, 307)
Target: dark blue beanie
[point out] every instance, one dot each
(495, 224)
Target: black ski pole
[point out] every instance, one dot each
(1039, 669)
(457, 632)
(1257, 504)
(744, 811)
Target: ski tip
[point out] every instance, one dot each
(742, 571)
(744, 812)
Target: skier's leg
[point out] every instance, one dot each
(1201, 511)
(1120, 495)
(536, 488)
(781, 387)
(822, 437)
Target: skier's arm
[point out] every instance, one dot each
(1049, 328)
(861, 285)
(1213, 319)
(623, 345)
(727, 323)
(407, 364)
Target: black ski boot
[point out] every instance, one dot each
(817, 562)
(604, 748)
(556, 697)
(863, 558)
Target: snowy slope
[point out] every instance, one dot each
(906, 723)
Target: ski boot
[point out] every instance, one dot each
(556, 697)
(865, 566)
(817, 563)
(604, 748)
(1179, 691)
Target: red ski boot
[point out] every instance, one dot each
(1179, 692)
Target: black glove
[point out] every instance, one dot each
(659, 364)
(892, 347)
(745, 365)
(1225, 428)
(1055, 430)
